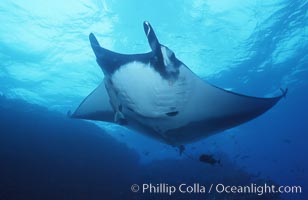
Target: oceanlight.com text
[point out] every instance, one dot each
(197, 188)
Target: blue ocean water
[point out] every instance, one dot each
(47, 68)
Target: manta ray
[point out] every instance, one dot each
(158, 95)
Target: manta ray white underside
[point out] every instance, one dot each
(158, 95)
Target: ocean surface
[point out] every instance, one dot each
(47, 68)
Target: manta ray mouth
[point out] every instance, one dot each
(172, 114)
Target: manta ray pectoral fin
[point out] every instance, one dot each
(96, 106)
(210, 110)
(226, 109)
(109, 61)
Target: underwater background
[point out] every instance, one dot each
(47, 68)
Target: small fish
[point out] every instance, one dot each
(208, 159)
